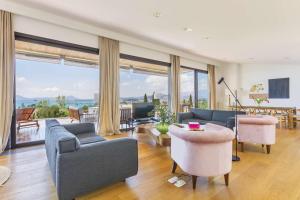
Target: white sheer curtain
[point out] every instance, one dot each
(212, 86)
(109, 118)
(175, 83)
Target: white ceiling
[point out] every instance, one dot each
(242, 31)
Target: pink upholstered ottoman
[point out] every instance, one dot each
(202, 153)
(258, 130)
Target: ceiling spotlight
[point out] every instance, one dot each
(156, 14)
(188, 29)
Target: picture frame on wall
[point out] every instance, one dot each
(279, 88)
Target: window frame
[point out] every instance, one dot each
(43, 41)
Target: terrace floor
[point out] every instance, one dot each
(33, 133)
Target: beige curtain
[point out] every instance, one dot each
(175, 83)
(7, 71)
(109, 118)
(212, 86)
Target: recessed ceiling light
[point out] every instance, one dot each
(157, 14)
(188, 29)
(251, 58)
(205, 38)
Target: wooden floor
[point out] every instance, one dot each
(256, 176)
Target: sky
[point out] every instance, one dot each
(41, 79)
(137, 84)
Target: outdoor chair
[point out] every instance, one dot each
(125, 117)
(78, 115)
(24, 118)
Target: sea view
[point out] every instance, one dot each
(75, 103)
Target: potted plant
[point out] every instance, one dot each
(166, 118)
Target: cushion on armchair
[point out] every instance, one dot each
(200, 121)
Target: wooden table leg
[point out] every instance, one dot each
(290, 119)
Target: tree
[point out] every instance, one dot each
(153, 97)
(85, 108)
(191, 100)
(61, 101)
(145, 98)
(183, 101)
(42, 103)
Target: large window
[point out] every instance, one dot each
(143, 82)
(49, 80)
(194, 90)
(203, 90)
(187, 88)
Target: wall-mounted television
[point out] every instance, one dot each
(279, 88)
(142, 110)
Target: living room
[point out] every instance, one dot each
(158, 100)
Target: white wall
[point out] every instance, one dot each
(48, 30)
(230, 72)
(251, 74)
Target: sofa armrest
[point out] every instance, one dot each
(184, 115)
(230, 122)
(95, 165)
(79, 128)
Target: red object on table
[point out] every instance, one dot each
(194, 125)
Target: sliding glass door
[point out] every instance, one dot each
(187, 89)
(202, 90)
(142, 81)
(194, 89)
(50, 81)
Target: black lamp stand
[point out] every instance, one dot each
(234, 157)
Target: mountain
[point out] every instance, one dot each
(21, 98)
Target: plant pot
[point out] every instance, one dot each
(164, 140)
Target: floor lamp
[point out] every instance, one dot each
(234, 157)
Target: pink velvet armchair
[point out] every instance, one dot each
(258, 130)
(202, 153)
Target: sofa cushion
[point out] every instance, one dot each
(52, 123)
(79, 128)
(218, 123)
(202, 114)
(222, 115)
(87, 138)
(65, 141)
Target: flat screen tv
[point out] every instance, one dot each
(279, 88)
(142, 110)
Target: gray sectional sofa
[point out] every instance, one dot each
(81, 161)
(219, 117)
